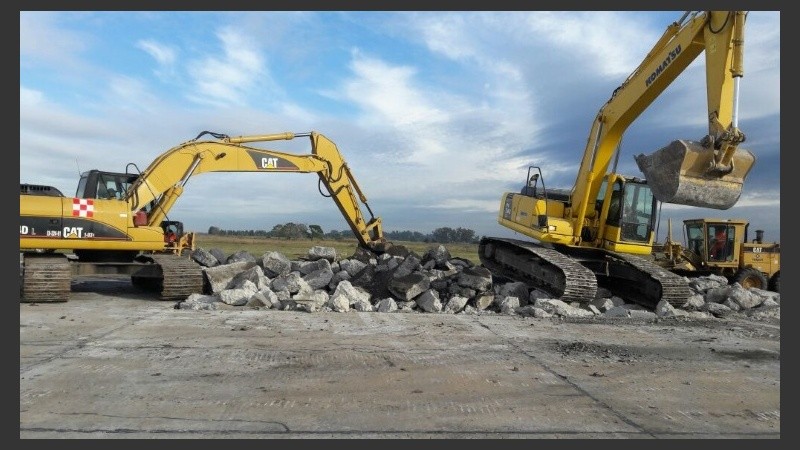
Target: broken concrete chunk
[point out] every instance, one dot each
(253, 274)
(508, 305)
(319, 252)
(484, 301)
(516, 289)
(386, 305)
(220, 276)
(241, 255)
(409, 286)
(410, 264)
(478, 278)
(352, 266)
(456, 304)
(429, 301)
(275, 264)
(204, 258)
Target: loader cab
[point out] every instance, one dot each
(713, 240)
(104, 185)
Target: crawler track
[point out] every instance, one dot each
(45, 278)
(539, 267)
(653, 283)
(174, 277)
(573, 274)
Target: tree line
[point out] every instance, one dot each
(293, 230)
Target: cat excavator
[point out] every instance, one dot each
(601, 232)
(117, 222)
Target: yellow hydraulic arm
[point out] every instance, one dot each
(718, 172)
(164, 180)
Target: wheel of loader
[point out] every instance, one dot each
(775, 282)
(751, 278)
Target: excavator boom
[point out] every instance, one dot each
(163, 181)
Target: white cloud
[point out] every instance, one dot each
(29, 97)
(586, 35)
(128, 93)
(228, 80)
(43, 39)
(385, 92)
(500, 41)
(466, 205)
(163, 54)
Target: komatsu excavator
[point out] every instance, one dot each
(601, 231)
(116, 222)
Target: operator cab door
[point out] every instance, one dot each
(721, 238)
(629, 216)
(695, 240)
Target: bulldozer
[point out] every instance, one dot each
(721, 247)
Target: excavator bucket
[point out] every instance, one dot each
(679, 173)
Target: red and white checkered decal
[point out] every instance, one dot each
(83, 207)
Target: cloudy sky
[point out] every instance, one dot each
(436, 113)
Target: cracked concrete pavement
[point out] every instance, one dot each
(113, 362)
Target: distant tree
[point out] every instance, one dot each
(316, 232)
(276, 231)
(213, 230)
(464, 235)
(446, 235)
(406, 235)
(290, 231)
(443, 235)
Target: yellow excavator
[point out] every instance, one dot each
(117, 222)
(601, 231)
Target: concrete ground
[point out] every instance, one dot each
(113, 362)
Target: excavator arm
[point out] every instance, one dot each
(162, 183)
(708, 173)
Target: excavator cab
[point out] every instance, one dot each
(104, 185)
(689, 173)
(630, 214)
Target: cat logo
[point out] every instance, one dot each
(262, 161)
(269, 163)
(73, 232)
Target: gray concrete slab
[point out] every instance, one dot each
(113, 362)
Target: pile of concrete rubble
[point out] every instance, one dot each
(403, 281)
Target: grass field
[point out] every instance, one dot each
(297, 248)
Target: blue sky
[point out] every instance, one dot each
(436, 113)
